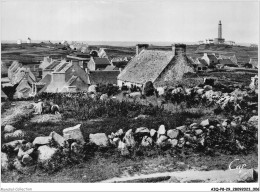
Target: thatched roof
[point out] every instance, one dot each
(146, 66)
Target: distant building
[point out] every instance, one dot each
(210, 59)
(219, 40)
(254, 45)
(232, 58)
(98, 63)
(227, 63)
(19, 42)
(156, 66)
(200, 65)
(29, 40)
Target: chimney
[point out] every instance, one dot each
(140, 47)
(179, 49)
(205, 54)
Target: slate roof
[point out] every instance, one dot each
(212, 58)
(146, 66)
(202, 62)
(4, 69)
(47, 80)
(71, 80)
(3, 95)
(232, 58)
(226, 62)
(101, 61)
(103, 77)
(52, 65)
(120, 64)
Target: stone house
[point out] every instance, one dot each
(156, 66)
(96, 63)
(211, 59)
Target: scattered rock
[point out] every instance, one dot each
(211, 127)
(152, 132)
(129, 138)
(123, 148)
(173, 142)
(233, 124)
(161, 130)
(141, 117)
(194, 126)
(116, 141)
(73, 133)
(147, 141)
(57, 138)
(142, 130)
(161, 140)
(119, 133)
(20, 154)
(17, 135)
(45, 153)
(4, 161)
(13, 144)
(254, 121)
(173, 133)
(198, 131)
(27, 159)
(181, 142)
(207, 87)
(182, 128)
(205, 123)
(99, 139)
(225, 123)
(9, 129)
(29, 145)
(41, 140)
(75, 147)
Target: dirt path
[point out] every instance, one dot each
(192, 176)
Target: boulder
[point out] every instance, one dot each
(182, 128)
(211, 127)
(103, 97)
(119, 133)
(57, 138)
(181, 142)
(173, 133)
(4, 161)
(9, 129)
(75, 147)
(160, 90)
(147, 141)
(123, 148)
(116, 141)
(142, 130)
(254, 121)
(73, 133)
(27, 159)
(161, 130)
(99, 139)
(141, 117)
(173, 142)
(207, 87)
(202, 141)
(152, 132)
(17, 135)
(135, 94)
(194, 126)
(225, 123)
(45, 153)
(20, 154)
(198, 132)
(200, 91)
(161, 140)
(29, 145)
(129, 138)
(41, 140)
(13, 144)
(205, 123)
(233, 124)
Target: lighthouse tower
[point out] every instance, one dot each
(219, 40)
(220, 30)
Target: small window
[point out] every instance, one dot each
(199, 68)
(204, 68)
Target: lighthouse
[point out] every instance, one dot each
(219, 40)
(220, 30)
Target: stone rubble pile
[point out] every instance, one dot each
(43, 148)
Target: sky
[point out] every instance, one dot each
(129, 20)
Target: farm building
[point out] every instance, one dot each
(103, 77)
(232, 58)
(200, 65)
(227, 63)
(156, 66)
(211, 59)
(98, 63)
